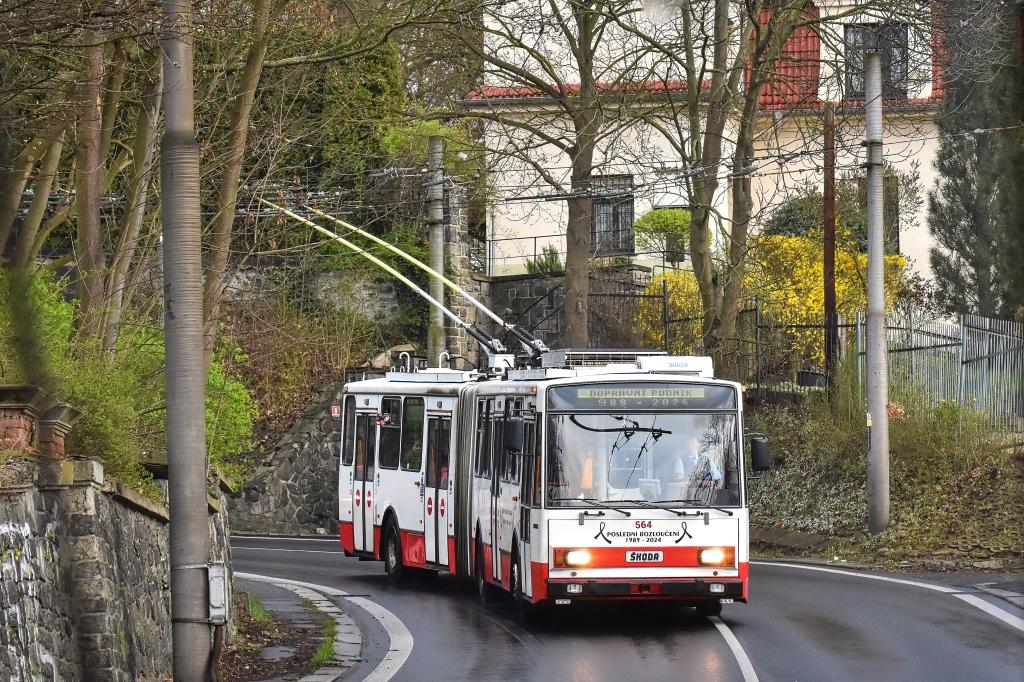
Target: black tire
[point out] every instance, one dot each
(525, 610)
(483, 589)
(393, 553)
(712, 607)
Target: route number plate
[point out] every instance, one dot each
(635, 557)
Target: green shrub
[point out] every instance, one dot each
(549, 260)
(119, 393)
(665, 229)
(948, 471)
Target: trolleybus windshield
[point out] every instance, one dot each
(647, 457)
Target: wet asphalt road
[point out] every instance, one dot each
(800, 625)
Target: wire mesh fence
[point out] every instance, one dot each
(975, 361)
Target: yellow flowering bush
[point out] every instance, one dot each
(787, 275)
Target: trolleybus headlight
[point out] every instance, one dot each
(715, 556)
(577, 557)
(572, 557)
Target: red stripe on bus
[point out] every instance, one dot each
(538, 580)
(618, 557)
(376, 542)
(506, 568)
(414, 552)
(745, 577)
(488, 564)
(347, 536)
(451, 555)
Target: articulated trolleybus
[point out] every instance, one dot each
(578, 480)
(557, 476)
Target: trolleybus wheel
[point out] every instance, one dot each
(483, 590)
(525, 611)
(393, 553)
(712, 607)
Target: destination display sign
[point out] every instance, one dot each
(642, 396)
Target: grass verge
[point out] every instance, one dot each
(324, 653)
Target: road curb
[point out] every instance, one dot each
(348, 638)
(818, 562)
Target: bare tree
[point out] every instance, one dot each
(579, 68)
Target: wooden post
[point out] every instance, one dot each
(829, 196)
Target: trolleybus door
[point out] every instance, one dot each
(529, 474)
(497, 450)
(438, 506)
(508, 454)
(362, 495)
(346, 505)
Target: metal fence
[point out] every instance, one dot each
(976, 361)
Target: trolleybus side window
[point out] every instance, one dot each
(537, 463)
(412, 434)
(365, 447)
(444, 439)
(348, 432)
(483, 438)
(529, 462)
(498, 442)
(438, 437)
(390, 422)
(512, 455)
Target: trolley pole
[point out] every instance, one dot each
(829, 196)
(877, 352)
(435, 216)
(184, 367)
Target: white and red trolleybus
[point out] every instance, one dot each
(577, 480)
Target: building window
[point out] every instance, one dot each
(891, 40)
(611, 221)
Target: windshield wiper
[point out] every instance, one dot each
(654, 506)
(698, 503)
(635, 428)
(592, 501)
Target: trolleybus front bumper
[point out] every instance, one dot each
(634, 589)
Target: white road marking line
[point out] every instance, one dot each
(991, 609)
(281, 549)
(399, 635)
(746, 667)
(279, 539)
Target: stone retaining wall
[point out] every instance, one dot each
(84, 575)
(297, 490)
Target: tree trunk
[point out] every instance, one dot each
(224, 221)
(135, 203)
(112, 87)
(725, 343)
(14, 179)
(88, 189)
(23, 253)
(577, 264)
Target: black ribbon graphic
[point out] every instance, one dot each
(600, 534)
(686, 534)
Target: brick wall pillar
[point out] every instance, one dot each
(32, 421)
(53, 427)
(17, 429)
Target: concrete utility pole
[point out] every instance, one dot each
(183, 339)
(877, 350)
(435, 216)
(829, 196)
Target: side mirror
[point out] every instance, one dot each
(514, 434)
(760, 457)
